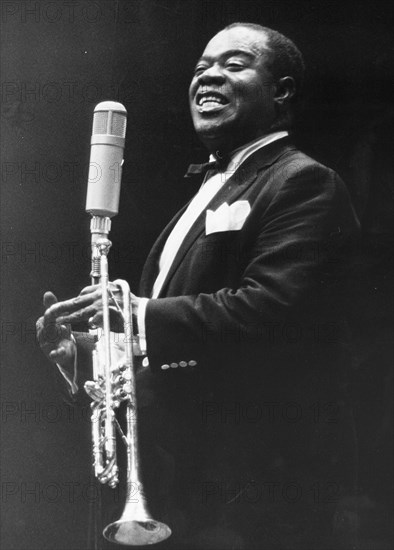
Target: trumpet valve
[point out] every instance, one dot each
(120, 394)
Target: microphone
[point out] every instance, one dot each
(105, 172)
(106, 159)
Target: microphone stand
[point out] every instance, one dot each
(100, 227)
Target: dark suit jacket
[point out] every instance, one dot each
(250, 323)
(249, 286)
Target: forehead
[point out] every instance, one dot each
(241, 39)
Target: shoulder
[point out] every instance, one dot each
(282, 160)
(299, 183)
(297, 161)
(296, 171)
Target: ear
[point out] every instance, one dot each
(285, 90)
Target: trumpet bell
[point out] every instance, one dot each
(136, 533)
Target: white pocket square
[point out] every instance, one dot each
(227, 217)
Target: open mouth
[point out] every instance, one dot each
(210, 100)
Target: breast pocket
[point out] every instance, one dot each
(227, 217)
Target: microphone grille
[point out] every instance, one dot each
(118, 125)
(100, 121)
(110, 118)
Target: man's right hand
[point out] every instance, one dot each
(55, 338)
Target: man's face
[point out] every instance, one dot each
(232, 92)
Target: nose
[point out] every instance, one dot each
(211, 74)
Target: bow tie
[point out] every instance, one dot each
(219, 165)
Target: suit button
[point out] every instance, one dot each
(145, 362)
(182, 363)
(165, 367)
(192, 363)
(173, 365)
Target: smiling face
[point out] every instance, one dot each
(232, 92)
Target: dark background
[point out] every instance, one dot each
(59, 59)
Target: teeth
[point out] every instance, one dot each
(207, 98)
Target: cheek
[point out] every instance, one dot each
(251, 92)
(193, 88)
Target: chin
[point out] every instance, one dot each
(213, 142)
(214, 136)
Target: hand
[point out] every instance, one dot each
(54, 328)
(88, 306)
(54, 337)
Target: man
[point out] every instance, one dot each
(241, 320)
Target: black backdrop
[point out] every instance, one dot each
(61, 58)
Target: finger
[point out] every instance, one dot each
(79, 316)
(96, 320)
(89, 289)
(65, 351)
(134, 300)
(115, 294)
(62, 309)
(39, 324)
(114, 287)
(96, 290)
(57, 353)
(49, 299)
(40, 330)
(52, 313)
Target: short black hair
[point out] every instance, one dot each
(286, 59)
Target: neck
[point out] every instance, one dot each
(223, 144)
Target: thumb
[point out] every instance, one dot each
(49, 299)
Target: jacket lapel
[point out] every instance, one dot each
(236, 185)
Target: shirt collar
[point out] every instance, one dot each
(239, 155)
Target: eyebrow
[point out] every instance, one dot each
(227, 54)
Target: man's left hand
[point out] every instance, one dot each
(88, 307)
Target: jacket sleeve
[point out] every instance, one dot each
(294, 243)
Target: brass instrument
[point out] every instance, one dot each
(114, 383)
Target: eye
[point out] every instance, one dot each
(235, 65)
(199, 70)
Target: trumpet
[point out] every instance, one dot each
(114, 384)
